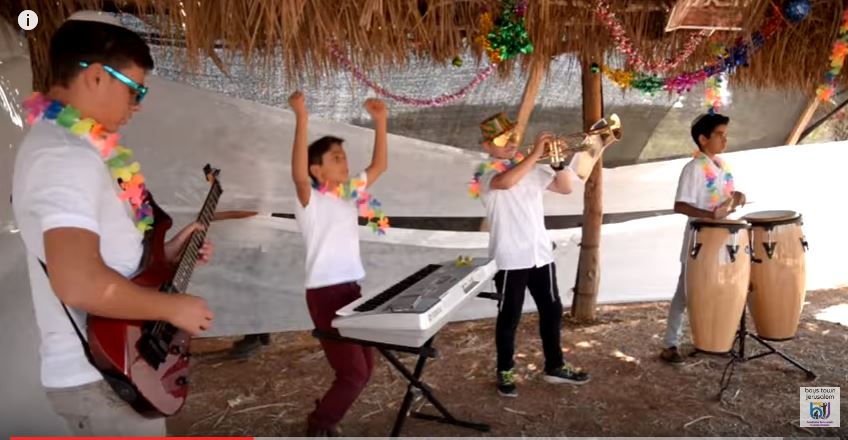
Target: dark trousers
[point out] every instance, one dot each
(511, 284)
(352, 363)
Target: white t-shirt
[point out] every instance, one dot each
(59, 181)
(692, 190)
(518, 238)
(331, 234)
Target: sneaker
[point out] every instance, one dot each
(672, 356)
(567, 374)
(249, 345)
(506, 383)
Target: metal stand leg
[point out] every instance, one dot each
(772, 350)
(414, 378)
(735, 357)
(415, 382)
(740, 356)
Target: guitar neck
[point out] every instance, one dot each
(191, 252)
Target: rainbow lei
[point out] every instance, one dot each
(116, 157)
(499, 165)
(369, 207)
(711, 175)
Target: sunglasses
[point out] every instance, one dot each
(139, 89)
(505, 139)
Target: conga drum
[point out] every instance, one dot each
(778, 273)
(718, 270)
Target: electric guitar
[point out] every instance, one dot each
(147, 362)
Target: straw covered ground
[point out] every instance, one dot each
(632, 393)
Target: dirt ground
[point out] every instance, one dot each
(632, 393)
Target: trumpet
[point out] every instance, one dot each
(562, 147)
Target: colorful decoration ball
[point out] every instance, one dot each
(796, 10)
(457, 62)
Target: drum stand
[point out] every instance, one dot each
(739, 355)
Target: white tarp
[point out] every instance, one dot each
(182, 128)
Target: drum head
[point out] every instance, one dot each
(770, 216)
(733, 225)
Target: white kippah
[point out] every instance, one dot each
(103, 17)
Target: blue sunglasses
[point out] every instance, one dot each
(139, 89)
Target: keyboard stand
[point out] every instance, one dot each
(424, 352)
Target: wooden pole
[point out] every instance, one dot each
(588, 266)
(812, 127)
(803, 120)
(528, 102)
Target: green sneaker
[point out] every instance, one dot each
(506, 383)
(567, 374)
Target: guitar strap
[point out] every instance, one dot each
(82, 339)
(122, 387)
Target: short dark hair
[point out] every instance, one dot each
(317, 150)
(705, 124)
(94, 42)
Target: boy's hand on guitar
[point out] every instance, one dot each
(190, 313)
(175, 246)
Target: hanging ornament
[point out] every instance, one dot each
(595, 68)
(796, 10)
(457, 61)
(507, 36)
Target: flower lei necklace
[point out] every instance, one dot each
(369, 207)
(116, 157)
(712, 177)
(499, 165)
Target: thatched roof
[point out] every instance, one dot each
(381, 33)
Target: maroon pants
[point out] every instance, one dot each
(352, 363)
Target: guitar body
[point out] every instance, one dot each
(147, 363)
(116, 344)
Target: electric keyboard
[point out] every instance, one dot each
(410, 312)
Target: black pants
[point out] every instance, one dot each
(511, 284)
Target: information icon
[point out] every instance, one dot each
(27, 20)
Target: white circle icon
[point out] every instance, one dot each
(27, 20)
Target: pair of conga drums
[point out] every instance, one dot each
(759, 259)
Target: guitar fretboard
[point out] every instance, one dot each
(188, 259)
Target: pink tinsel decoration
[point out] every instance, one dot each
(417, 102)
(625, 46)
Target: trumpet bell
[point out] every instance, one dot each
(563, 147)
(604, 128)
